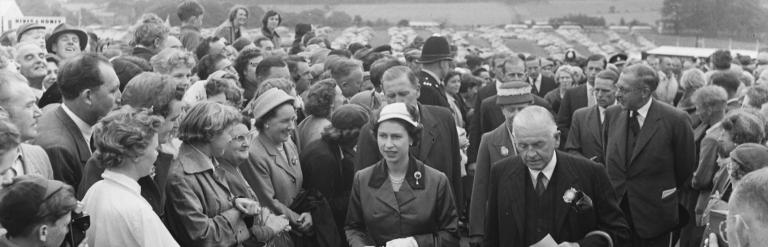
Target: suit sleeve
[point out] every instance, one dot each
(65, 165)
(480, 191)
(572, 143)
(354, 228)
(492, 214)
(685, 150)
(447, 219)
(367, 148)
(702, 176)
(610, 218)
(455, 179)
(474, 131)
(226, 228)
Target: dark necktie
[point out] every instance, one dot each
(634, 125)
(541, 184)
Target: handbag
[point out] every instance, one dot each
(716, 225)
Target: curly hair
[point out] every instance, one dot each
(149, 30)
(154, 91)
(744, 126)
(320, 98)
(206, 119)
(171, 58)
(124, 134)
(280, 83)
(226, 83)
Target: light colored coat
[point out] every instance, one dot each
(275, 180)
(36, 161)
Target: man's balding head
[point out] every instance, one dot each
(748, 210)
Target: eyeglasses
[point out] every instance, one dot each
(515, 75)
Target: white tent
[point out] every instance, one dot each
(8, 10)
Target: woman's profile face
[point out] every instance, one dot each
(394, 141)
(220, 142)
(280, 127)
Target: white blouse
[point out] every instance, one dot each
(120, 216)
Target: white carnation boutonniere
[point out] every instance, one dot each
(577, 200)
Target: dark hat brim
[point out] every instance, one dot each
(514, 99)
(434, 58)
(81, 35)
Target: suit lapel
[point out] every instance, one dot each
(650, 125)
(83, 149)
(276, 157)
(516, 189)
(385, 193)
(565, 178)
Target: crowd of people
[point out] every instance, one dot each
(236, 140)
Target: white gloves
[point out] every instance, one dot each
(403, 242)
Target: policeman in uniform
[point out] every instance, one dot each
(436, 61)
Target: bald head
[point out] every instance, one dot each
(748, 210)
(534, 118)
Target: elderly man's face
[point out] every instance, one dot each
(400, 90)
(22, 107)
(631, 93)
(31, 61)
(536, 145)
(67, 45)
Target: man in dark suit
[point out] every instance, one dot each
(490, 112)
(580, 96)
(542, 192)
(585, 136)
(475, 133)
(436, 61)
(650, 155)
(439, 145)
(540, 84)
(494, 146)
(89, 87)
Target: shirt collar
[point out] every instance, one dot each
(122, 180)
(548, 170)
(643, 111)
(84, 127)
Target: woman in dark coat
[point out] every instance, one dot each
(268, 24)
(328, 163)
(400, 201)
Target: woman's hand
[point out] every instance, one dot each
(304, 221)
(247, 206)
(277, 223)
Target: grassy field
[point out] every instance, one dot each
(492, 13)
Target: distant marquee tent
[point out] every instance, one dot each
(11, 17)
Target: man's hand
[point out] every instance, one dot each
(304, 221)
(277, 223)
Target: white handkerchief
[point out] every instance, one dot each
(547, 241)
(667, 193)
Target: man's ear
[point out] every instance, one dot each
(87, 96)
